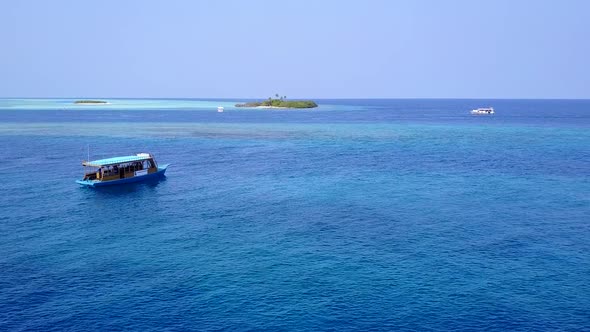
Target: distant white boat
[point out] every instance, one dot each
(483, 111)
(220, 109)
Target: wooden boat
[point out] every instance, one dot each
(119, 170)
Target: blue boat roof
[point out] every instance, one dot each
(117, 160)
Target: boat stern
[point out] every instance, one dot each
(88, 183)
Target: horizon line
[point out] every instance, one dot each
(318, 98)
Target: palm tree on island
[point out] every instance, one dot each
(280, 102)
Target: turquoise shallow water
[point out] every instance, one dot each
(68, 104)
(364, 215)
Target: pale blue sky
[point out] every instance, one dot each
(316, 49)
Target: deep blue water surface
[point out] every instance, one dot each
(362, 215)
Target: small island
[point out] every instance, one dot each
(280, 102)
(90, 102)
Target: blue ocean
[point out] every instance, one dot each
(360, 215)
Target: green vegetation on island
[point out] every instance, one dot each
(90, 102)
(280, 102)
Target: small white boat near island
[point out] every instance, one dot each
(220, 109)
(483, 111)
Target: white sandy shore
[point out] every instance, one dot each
(277, 107)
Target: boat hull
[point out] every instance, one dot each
(94, 183)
